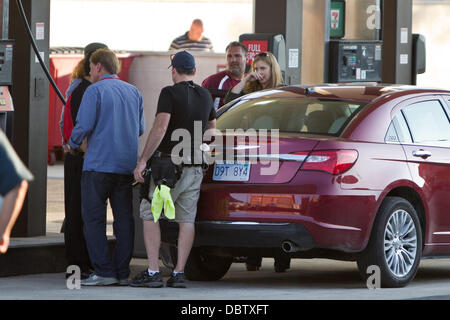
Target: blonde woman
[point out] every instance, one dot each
(265, 74)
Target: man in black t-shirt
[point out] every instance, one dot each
(185, 110)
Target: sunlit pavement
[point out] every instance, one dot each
(309, 279)
(315, 279)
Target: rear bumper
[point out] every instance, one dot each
(242, 234)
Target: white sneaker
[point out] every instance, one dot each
(95, 280)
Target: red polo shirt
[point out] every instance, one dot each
(222, 81)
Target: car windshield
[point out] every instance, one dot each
(309, 115)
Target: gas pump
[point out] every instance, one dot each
(355, 60)
(6, 59)
(355, 49)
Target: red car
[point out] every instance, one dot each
(355, 172)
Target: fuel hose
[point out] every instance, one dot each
(35, 48)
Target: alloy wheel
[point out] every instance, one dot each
(400, 243)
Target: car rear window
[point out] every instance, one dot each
(314, 116)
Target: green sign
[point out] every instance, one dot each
(337, 19)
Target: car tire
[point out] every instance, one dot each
(281, 264)
(395, 245)
(202, 266)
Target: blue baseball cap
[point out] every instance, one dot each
(183, 60)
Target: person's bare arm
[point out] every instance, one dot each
(253, 76)
(12, 204)
(155, 137)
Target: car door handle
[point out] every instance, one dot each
(421, 153)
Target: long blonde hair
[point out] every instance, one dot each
(78, 71)
(276, 78)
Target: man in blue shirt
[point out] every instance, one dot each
(111, 117)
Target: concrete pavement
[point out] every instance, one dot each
(315, 279)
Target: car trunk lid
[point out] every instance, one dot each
(261, 158)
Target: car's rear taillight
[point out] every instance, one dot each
(331, 161)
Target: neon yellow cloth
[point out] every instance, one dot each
(162, 198)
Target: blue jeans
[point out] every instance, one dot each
(96, 189)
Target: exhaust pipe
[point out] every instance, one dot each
(289, 246)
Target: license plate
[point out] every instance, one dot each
(231, 172)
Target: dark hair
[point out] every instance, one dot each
(88, 51)
(86, 67)
(185, 71)
(237, 44)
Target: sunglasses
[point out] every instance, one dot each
(262, 54)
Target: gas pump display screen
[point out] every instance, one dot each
(6, 59)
